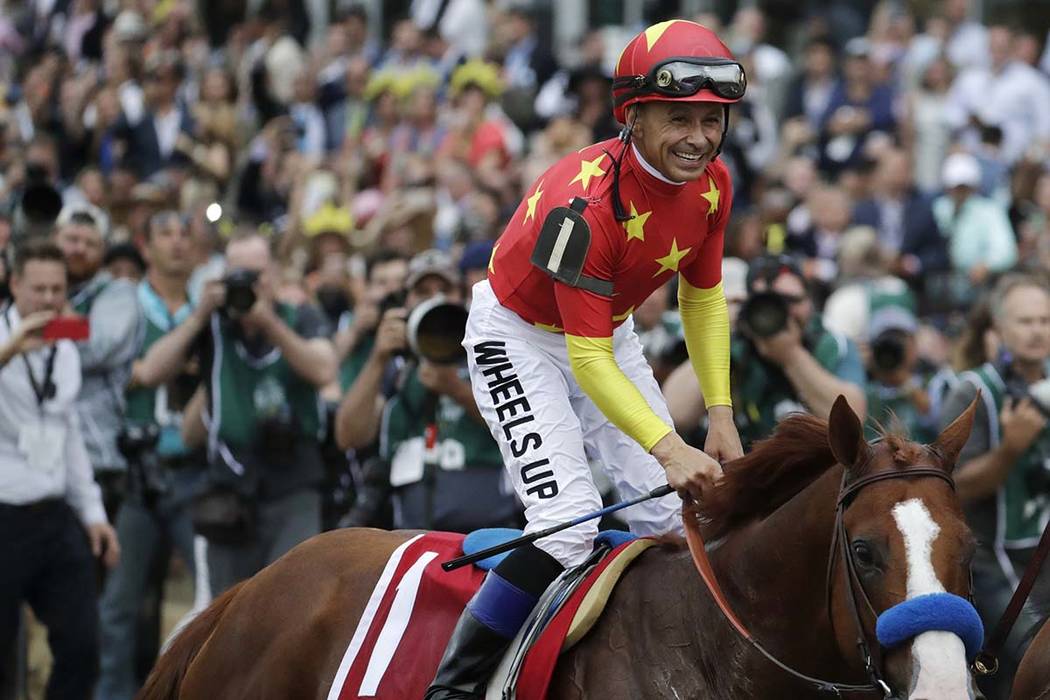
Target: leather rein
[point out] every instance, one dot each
(839, 541)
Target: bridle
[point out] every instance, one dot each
(871, 653)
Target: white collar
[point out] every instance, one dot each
(651, 170)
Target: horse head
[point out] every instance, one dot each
(899, 569)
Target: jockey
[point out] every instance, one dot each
(556, 368)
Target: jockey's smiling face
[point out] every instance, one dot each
(678, 138)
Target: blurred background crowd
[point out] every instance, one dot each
(253, 197)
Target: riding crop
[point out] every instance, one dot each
(451, 565)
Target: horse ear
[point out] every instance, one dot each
(952, 439)
(846, 434)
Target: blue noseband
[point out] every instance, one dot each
(934, 612)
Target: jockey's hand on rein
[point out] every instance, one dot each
(689, 471)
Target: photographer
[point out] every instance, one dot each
(455, 483)
(783, 359)
(265, 362)
(896, 391)
(48, 497)
(162, 473)
(112, 309)
(1002, 476)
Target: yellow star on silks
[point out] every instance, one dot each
(588, 169)
(711, 196)
(670, 261)
(636, 224)
(623, 317)
(653, 33)
(492, 256)
(533, 201)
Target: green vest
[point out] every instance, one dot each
(762, 394)
(462, 441)
(142, 403)
(85, 297)
(251, 391)
(1022, 506)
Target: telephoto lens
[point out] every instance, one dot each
(240, 292)
(764, 314)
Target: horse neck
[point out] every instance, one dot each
(773, 572)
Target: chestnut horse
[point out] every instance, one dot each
(1032, 681)
(769, 523)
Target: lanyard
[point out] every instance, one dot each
(46, 389)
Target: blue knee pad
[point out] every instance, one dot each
(511, 590)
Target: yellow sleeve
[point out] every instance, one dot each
(594, 366)
(705, 324)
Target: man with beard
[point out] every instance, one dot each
(112, 309)
(162, 471)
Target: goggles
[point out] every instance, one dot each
(683, 77)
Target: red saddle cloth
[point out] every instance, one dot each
(402, 634)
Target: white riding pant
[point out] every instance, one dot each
(547, 427)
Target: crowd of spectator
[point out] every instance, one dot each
(250, 201)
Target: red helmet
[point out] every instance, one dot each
(676, 60)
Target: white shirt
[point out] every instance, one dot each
(1016, 98)
(167, 126)
(72, 479)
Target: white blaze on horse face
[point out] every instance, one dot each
(939, 670)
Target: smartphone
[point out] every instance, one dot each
(67, 328)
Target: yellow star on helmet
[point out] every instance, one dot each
(711, 196)
(669, 262)
(653, 33)
(492, 270)
(533, 201)
(636, 224)
(588, 169)
(623, 317)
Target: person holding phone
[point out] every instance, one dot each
(52, 522)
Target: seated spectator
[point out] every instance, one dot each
(457, 483)
(903, 219)
(48, 496)
(980, 238)
(830, 212)
(858, 107)
(259, 412)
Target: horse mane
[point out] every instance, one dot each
(773, 472)
(782, 465)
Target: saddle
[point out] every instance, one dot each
(394, 651)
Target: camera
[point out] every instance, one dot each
(147, 477)
(240, 292)
(436, 329)
(888, 350)
(764, 314)
(1017, 389)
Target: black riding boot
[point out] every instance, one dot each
(492, 619)
(471, 656)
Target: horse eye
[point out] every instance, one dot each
(863, 554)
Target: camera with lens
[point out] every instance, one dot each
(436, 329)
(764, 314)
(889, 350)
(240, 292)
(1017, 389)
(147, 477)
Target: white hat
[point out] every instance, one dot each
(960, 169)
(129, 26)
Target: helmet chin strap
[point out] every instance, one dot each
(619, 213)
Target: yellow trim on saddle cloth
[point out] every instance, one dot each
(598, 595)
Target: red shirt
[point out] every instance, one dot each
(676, 228)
